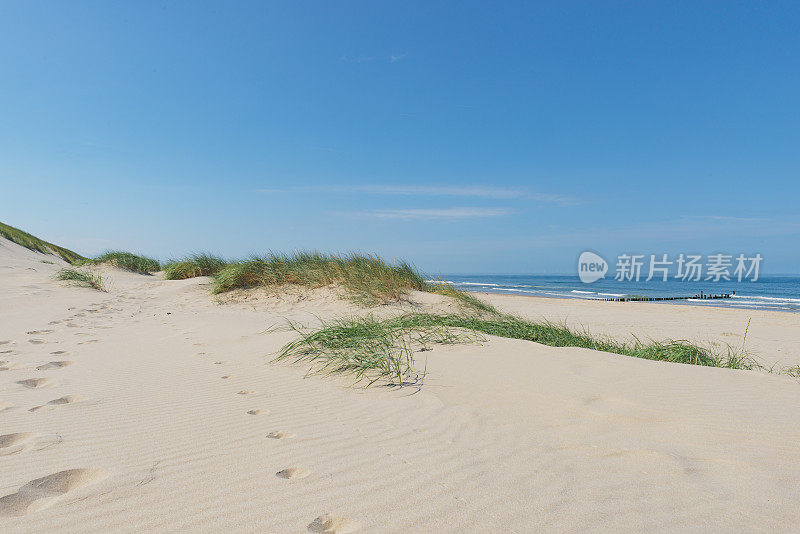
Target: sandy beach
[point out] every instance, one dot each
(154, 407)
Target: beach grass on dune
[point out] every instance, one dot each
(129, 261)
(470, 301)
(81, 278)
(368, 348)
(560, 335)
(384, 349)
(34, 243)
(200, 264)
(368, 279)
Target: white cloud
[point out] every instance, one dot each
(488, 192)
(393, 58)
(429, 214)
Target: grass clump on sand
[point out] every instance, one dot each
(129, 261)
(369, 279)
(470, 301)
(34, 243)
(81, 279)
(194, 265)
(384, 349)
(368, 348)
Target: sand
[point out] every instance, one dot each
(154, 407)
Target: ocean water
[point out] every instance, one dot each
(780, 293)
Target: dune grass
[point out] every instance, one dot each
(81, 278)
(384, 349)
(200, 264)
(470, 301)
(369, 279)
(129, 261)
(368, 348)
(34, 243)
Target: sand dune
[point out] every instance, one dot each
(136, 430)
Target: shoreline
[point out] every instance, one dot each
(674, 304)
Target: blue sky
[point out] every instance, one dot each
(465, 137)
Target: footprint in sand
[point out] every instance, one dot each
(227, 376)
(258, 412)
(66, 399)
(14, 443)
(280, 434)
(36, 383)
(331, 524)
(54, 365)
(220, 362)
(5, 365)
(39, 332)
(5, 406)
(59, 352)
(246, 392)
(46, 491)
(36, 341)
(5, 342)
(293, 472)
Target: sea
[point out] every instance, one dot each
(780, 293)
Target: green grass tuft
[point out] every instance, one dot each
(129, 261)
(368, 279)
(194, 265)
(80, 278)
(470, 301)
(384, 349)
(34, 243)
(367, 348)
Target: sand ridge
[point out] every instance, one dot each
(506, 435)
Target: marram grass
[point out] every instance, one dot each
(34, 243)
(470, 301)
(384, 349)
(129, 261)
(368, 279)
(194, 265)
(81, 278)
(367, 348)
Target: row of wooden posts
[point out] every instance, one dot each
(701, 296)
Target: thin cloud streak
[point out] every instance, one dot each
(428, 214)
(429, 190)
(393, 58)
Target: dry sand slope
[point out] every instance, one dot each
(150, 408)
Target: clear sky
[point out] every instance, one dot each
(466, 137)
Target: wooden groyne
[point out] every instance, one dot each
(701, 296)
